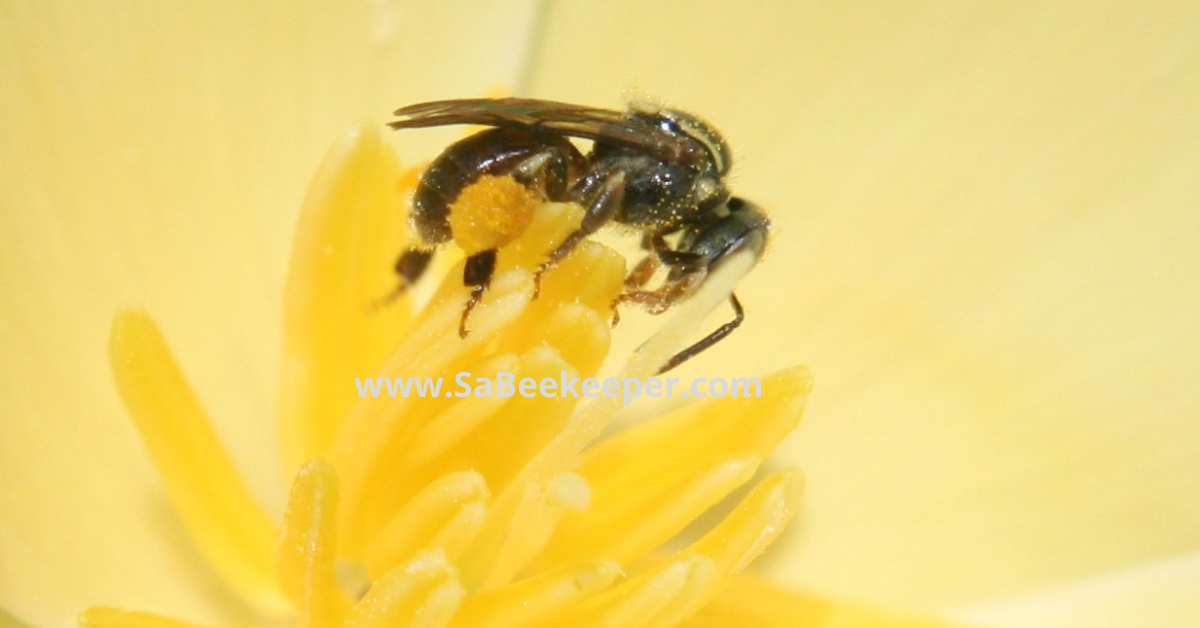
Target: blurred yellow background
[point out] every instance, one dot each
(986, 248)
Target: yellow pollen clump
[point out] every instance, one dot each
(490, 213)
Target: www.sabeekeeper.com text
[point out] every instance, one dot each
(507, 385)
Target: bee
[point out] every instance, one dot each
(659, 171)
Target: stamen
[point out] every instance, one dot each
(308, 550)
(348, 237)
(228, 525)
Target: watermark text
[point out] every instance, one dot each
(507, 385)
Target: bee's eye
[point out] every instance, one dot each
(702, 132)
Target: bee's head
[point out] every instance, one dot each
(682, 123)
(711, 161)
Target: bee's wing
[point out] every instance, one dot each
(591, 123)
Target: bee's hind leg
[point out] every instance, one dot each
(477, 275)
(409, 267)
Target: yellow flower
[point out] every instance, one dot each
(475, 511)
(985, 252)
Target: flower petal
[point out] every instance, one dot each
(308, 549)
(224, 520)
(1160, 593)
(424, 593)
(157, 154)
(448, 515)
(652, 480)
(751, 601)
(349, 235)
(532, 601)
(109, 617)
(985, 247)
(641, 600)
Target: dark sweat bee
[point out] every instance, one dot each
(659, 171)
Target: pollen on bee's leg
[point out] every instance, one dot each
(490, 213)
(230, 528)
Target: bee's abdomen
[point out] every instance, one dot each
(491, 152)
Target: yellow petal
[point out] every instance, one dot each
(350, 232)
(633, 526)
(423, 593)
(448, 514)
(754, 524)
(528, 602)
(224, 520)
(7, 620)
(984, 246)
(308, 550)
(108, 617)
(1160, 593)
(586, 424)
(508, 544)
(374, 427)
(751, 601)
(640, 601)
(157, 155)
(650, 481)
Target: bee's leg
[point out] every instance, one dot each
(648, 265)
(713, 338)
(601, 201)
(637, 278)
(743, 229)
(661, 300)
(477, 275)
(410, 267)
(643, 271)
(544, 171)
(683, 263)
(688, 271)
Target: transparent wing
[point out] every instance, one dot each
(606, 125)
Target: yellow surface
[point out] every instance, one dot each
(490, 213)
(229, 527)
(984, 249)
